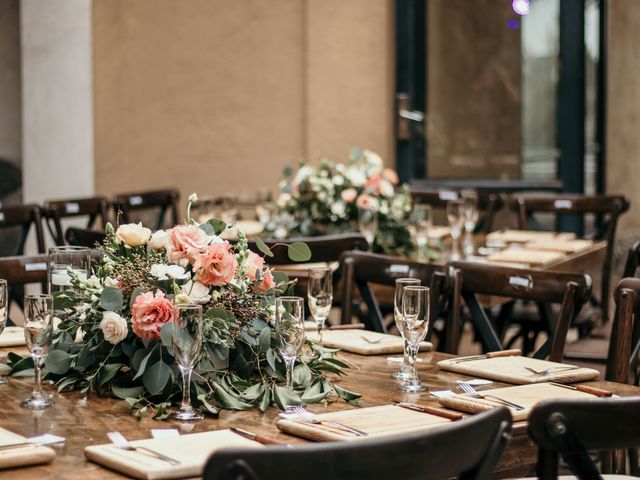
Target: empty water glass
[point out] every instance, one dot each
(368, 224)
(401, 283)
(420, 221)
(290, 331)
(415, 324)
(455, 215)
(4, 311)
(320, 295)
(470, 201)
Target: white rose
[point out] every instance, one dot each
(133, 234)
(338, 180)
(159, 240)
(114, 327)
(373, 158)
(182, 299)
(356, 176)
(196, 292)
(283, 199)
(338, 208)
(166, 272)
(386, 189)
(110, 282)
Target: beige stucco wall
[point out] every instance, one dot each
(217, 97)
(623, 111)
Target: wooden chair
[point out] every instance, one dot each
(166, 201)
(23, 217)
(19, 271)
(608, 208)
(571, 428)
(96, 208)
(361, 269)
(624, 345)
(429, 454)
(84, 238)
(570, 290)
(633, 261)
(488, 204)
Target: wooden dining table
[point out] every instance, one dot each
(85, 420)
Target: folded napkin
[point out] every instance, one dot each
(22, 456)
(12, 337)
(191, 450)
(362, 342)
(524, 236)
(566, 246)
(525, 255)
(251, 228)
(512, 370)
(374, 421)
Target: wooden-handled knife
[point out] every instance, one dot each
(433, 411)
(501, 353)
(263, 439)
(598, 392)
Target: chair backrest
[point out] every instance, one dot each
(21, 270)
(95, 208)
(571, 290)
(633, 261)
(488, 203)
(360, 269)
(609, 208)
(570, 428)
(166, 201)
(83, 237)
(430, 454)
(324, 248)
(23, 217)
(624, 345)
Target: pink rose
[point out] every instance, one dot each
(373, 184)
(365, 201)
(185, 242)
(349, 195)
(149, 313)
(267, 282)
(255, 263)
(217, 265)
(390, 176)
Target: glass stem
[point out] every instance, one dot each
(37, 365)
(406, 360)
(289, 362)
(186, 388)
(413, 352)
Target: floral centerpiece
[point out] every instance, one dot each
(114, 337)
(325, 199)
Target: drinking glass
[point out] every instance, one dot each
(421, 220)
(320, 295)
(186, 336)
(38, 330)
(290, 330)
(415, 322)
(470, 200)
(229, 210)
(4, 312)
(455, 215)
(368, 224)
(401, 283)
(62, 261)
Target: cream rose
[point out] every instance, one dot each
(195, 292)
(159, 240)
(114, 327)
(133, 234)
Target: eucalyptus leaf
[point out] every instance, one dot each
(127, 392)
(136, 291)
(345, 394)
(299, 252)
(252, 393)
(67, 382)
(285, 396)
(263, 247)
(226, 400)
(265, 401)
(264, 340)
(156, 377)
(111, 299)
(314, 398)
(280, 277)
(207, 228)
(106, 373)
(301, 375)
(271, 359)
(165, 335)
(58, 362)
(210, 408)
(218, 225)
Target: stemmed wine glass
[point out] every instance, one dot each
(186, 336)
(62, 261)
(470, 200)
(415, 323)
(290, 330)
(4, 312)
(38, 330)
(455, 215)
(401, 283)
(368, 224)
(421, 220)
(320, 295)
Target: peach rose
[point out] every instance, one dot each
(185, 242)
(349, 195)
(267, 282)
(216, 265)
(365, 201)
(390, 176)
(373, 184)
(149, 313)
(254, 263)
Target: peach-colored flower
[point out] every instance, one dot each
(267, 282)
(365, 201)
(349, 195)
(216, 265)
(390, 176)
(149, 313)
(185, 242)
(373, 184)
(254, 264)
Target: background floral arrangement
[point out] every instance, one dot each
(325, 199)
(114, 340)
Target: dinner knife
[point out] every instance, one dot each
(263, 439)
(433, 411)
(598, 392)
(347, 326)
(500, 353)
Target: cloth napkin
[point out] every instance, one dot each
(12, 337)
(22, 456)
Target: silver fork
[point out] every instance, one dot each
(472, 392)
(119, 441)
(309, 417)
(546, 371)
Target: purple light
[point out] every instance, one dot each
(512, 24)
(521, 7)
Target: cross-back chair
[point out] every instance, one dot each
(571, 428)
(488, 204)
(429, 454)
(83, 237)
(54, 211)
(607, 208)
(165, 201)
(633, 261)
(21, 270)
(570, 290)
(22, 217)
(359, 270)
(624, 344)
